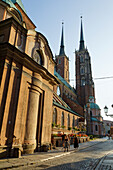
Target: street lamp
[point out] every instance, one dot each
(106, 111)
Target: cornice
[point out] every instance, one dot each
(23, 59)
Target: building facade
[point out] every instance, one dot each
(73, 113)
(85, 89)
(26, 82)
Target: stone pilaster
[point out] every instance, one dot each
(31, 123)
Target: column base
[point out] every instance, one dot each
(28, 148)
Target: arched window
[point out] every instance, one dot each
(62, 119)
(91, 113)
(68, 121)
(37, 56)
(59, 61)
(82, 70)
(55, 116)
(81, 59)
(83, 82)
(73, 123)
(58, 91)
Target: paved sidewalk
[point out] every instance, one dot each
(43, 156)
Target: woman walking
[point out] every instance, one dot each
(66, 143)
(76, 145)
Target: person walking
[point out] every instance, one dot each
(69, 141)
(63, 139)
(76, 145)
(66, 143)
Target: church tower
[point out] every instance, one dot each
(62, 60)
(84, 80)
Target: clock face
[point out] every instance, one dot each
(91, 100)
(37, 57)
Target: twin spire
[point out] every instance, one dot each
(62, 52)
(81, 46)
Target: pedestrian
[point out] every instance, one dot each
(69, 141)
(66, 143)
(63, 138)
(76, 145)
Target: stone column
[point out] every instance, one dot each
(31, 123)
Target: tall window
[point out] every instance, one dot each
(55, 116)
(68, 121)
(59, 61)
(82, 70)
(96, 128)
(62, 119)
(58, 91)
(73, 123)
(81, 59)
(82, 82)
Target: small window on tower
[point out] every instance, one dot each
(59, 61)
(82, 70)
(58, 71)
(81, 59)
(83, 82)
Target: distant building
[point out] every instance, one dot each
(107, 126)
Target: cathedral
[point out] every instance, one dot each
(86, 90)
(36, 99)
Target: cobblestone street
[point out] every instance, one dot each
(86, 159)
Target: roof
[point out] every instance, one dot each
(19, 2)
(63, 81)
(94, 119)
(94, 106)
(91, 97)
(58, 101)
(12, 5)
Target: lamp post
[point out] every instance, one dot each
(111, 115)
(106, 111)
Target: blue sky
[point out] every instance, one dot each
(47, 15)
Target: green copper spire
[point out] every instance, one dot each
(81, 47)
(62, 52)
